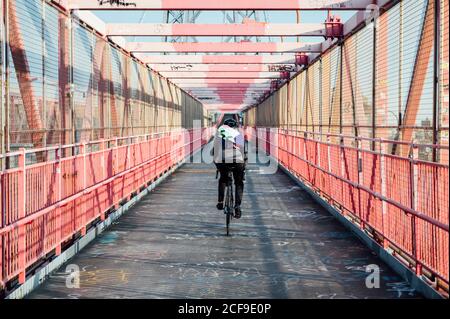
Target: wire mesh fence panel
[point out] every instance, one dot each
(402, 202)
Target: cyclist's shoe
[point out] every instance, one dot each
(237, 212)
(219, 206)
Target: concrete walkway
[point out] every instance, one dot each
(173, 245)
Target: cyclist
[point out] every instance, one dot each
(229, 155)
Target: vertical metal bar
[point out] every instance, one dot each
(21, 201)
(3, 132)
(412, 188)
(400, 75)
(436, 75)
(70, 84)
(320, 97)
(288, 93)
(58, 186)
(383, 191)
(92, 87)
(44, 104)
(307, 99)
(6, 101)
(104, 168)
(2, 88)
(340, 84)
(374, 78)
(83, 205)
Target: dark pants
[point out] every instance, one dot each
(238, 170)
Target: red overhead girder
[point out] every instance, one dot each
(218, 5)
(423, 60)
(225, 47)
(24, 78)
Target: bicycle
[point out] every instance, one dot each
(228, 206)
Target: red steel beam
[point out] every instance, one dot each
(22, 69)
(218, 82)
(63, 81)
(258, 29)
(423, 60)
(224, 89)
(225, 106)
(229, 101)
(222, 67)
(225, 47)
(382, 83)
(228, 98)
(221, 75)
(214, 59)
(227, 91)
(229, 94)
(219, 5)
(444, 98)
(97, 57)
(195, 83)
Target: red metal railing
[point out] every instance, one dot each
(403, 203)
(44, 204)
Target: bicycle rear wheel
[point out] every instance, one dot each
(228, 207)
(228, 219)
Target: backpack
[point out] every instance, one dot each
(228, 151)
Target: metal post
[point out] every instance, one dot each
(288, 93)
(83, 205)
(58, 186)
(341, 52)
(71, 91)
(21, 200)
(436, 75)
(44, 102)
(5, 77)
(320, 98)
(91, 85)
(374, 78)
(2, 88)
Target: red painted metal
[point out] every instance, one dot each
(47, 203)
(301, 59)
(226, 47)
(423, 59)
(191, 29)
(285, 75)
(444, 77)
(63, 78)
(97, 57)
(382, 68)
(223, 75)
(218, 82)
(22, 68)
(221, 5)
(388, 193)
(214, 59)
(334, 27)
(220, 67)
